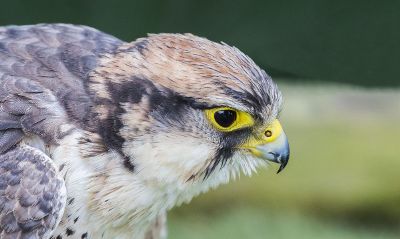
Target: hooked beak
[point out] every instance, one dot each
(272, 145)
(277, 151)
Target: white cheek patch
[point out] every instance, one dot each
(170, 157)
(165, 163)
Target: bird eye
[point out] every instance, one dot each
(268, 133)
(225, 118)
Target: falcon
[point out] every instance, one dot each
(99, 138)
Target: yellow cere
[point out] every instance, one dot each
(243, 119)
(272, 131)
(268, 135)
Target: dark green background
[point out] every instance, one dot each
(354, 42)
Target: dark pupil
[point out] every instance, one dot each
(225, 118)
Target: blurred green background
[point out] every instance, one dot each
(347, 41)
(337, 65)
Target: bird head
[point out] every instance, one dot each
(184, 110)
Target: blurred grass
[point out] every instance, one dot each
(344, 168)
(255, 224)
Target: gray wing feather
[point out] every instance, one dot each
(43, 73)
(27, 108)
(32, 194)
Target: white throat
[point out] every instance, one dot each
(113, 202)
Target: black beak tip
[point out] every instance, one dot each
(284, 161)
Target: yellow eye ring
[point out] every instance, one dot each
(227, 119)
